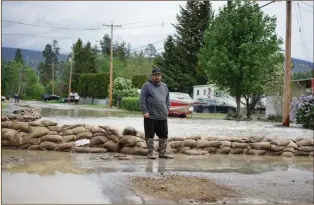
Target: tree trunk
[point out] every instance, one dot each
(238, 101)
(248, 109)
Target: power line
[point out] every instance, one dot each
(302, 34)
(306, 10)
(307, 4)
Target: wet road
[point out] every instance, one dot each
(56, 177)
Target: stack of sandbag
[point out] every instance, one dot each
(132, 142)
(23, 115)
(187, 145)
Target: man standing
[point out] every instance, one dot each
(155, 104)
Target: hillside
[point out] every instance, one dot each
(302, 66)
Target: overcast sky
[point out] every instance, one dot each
(142, 23)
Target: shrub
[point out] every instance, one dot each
(131, 103)
(303, 111)
(138, 81)
(123, 87)
(94, 85)
(274, 118)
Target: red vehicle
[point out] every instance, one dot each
(181, 104)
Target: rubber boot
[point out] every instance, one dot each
(163, 149)
(150, 147)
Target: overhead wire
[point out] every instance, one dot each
(301, 30)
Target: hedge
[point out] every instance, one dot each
(94, 85)
(138, 81)
(131, 103)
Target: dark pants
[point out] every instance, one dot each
(158, 127)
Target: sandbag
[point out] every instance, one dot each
(66, 132)
(195, 152)
(7, 124)
(238, 145)
(54, 128)
(224, 150)
(216, 144)
(37, 132)
(271, 153)
(33, 147)
(64, 146)
(32, 141)
(223, 139)
(25, 146)
(256, 138)
(225, 144)
(95, 134)
(129, 140)
(301, 153)
(111, 146)
(276, 148)
(126, 150)
(183, 149)
(305, 142)
(53, 133)
(17, 141)
(81, 149)
(306, 148)
(175, 144)
(68, 138)
(189, 143)
(211, 150)
(281, 142)
(8, 134)
(260, 145)
(113, 138)
(65, 127)
(236, 151)
(5, 143)
(89, 127)
(48, 123)
(20, 126)
(255, 152)
(129, 131)
(52, 138)
(79, 129)
(48, 145)
(211, 138)
(194, 138)
(98, 140)
(138, 151)
(236, 139)
(84, 135)
(287, 154)
(201, 144)
(98, 150)
(177, 138)
(289, 149)
(143, 145)
(140, 134)
(298, 139)
(36, 124)
(293, 145)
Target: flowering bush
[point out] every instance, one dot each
(303, 111)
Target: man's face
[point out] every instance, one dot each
(156, 77)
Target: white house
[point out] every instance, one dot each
(203, 91)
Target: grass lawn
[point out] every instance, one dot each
(207, 116)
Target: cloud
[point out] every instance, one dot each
(93, 14)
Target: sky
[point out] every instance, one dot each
(143, 22)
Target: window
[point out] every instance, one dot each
(198, 92)
(205, 92)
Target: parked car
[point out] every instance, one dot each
(213, 105)
(47, 97)
(3, 98)
(181, 104)
(74, 97)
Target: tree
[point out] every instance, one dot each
(18, 56)
(241, 50)
(105, 45)
(150, 51)
(123, 87)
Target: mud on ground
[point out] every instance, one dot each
(182, 189)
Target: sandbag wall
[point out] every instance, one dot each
(47, 135)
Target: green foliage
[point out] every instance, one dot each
(131, 103)
(10, 77)
(303, 75)
(94, 85)
(18, 56)
(303, 109)
(138, 81)
(35, 91)
(123, 87)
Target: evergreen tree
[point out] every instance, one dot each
(18, 56)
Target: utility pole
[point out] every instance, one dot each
(52, 82)
(70, 80)
(286, 90)
(111, 62)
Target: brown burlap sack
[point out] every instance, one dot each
(53, 133)
(113, 138)
(48, 123)
(301, 153)
(211, 150)
(52, 138)
(311, 154)
(293, 145)
(255, 152)
(195, 152)
(223, 139)
(99, 134)
(189, 143)
(89, 127)
(37, 132)
(129, 140)
(98, 150)
(271, 153)
(225, 144)
(216, 144)
(126, 150)
(81, 149)
(142, 145)
(17, 141)
(79, 129)
(98, 140)
(84, 135)
(289, 149)
(64, 146)
(237, 139)
(138, 151)
(298, 139)
(33, 147)
(177, 138)
(110, 130)
(260, 145)
(211, 138)
(305, 142)
(111, 146)
(48, 145)
(66, 132)
(236, 151)
(238, 145)
(140, 134)
(68, 138)
(175, 144)
(183, 149)
(73, 126)
(25, 146)
(256, 138)
(32, 141)
(202, 144)
(281, 142)
(276, 148)
(5, 143)
(194, 138)
(54, 128)
(8, 134)
(287, 154)
(7, 124)
(129, 131)
(20, 126)
(306, 148)
(224, 150)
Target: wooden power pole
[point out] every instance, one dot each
(286, 90)
(53, 78)
(70, 80)
(111, 62)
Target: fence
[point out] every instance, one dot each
(96, 101)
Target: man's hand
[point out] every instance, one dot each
(146, 115)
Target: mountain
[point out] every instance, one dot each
(301, 66)
(34, 57)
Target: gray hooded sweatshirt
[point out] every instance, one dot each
(155, 100)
